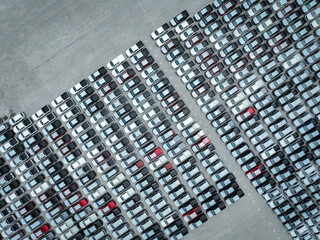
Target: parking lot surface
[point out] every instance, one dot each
(49, 47)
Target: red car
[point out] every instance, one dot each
(169, 100)
(78, 206)
(204, 55)
(226, 7)
(65, 193)
(55, 135)
(144, 63)
(64, 151)
(285, 11)
(127, 75)
(235, 67)
(273, 41)
(244, 115)
(281, 46)
(107, 208)
(211, 72)
(175, 107)
(255, 53)
(62, 141)
(106, 89)
(105, 155)
(255, 172)
(38, 147)
(155, 153)
(204, 88)
(201, 144)
(207, 64)
(192, 214)
(170, 45)
(191, 42)
(48, 194)
(42, 230)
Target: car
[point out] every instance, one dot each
(150, 70)
(125, 76)
(134, 49)
(94, 108)
(61, 99)
(79, 86)
(167, 47)
(195, 39)
(160, 31)
(75, 121)
(70, 114)
(190, 75)
(46, 120)
(115, 62)
(9, 144)
(211, 72)
(244, 115)
(41, 112)
(170, 100)
(179, 18)
(203, 12)
(192, 214)
(84, 93)
(164, 38)
(38, 147)
(188, 32)
(202, 89)
(102, 92)
(208, 63)
(183, 25)
(97, 74)
(67, 149)
(255, 172)
(208, 19)
(185, 68)
(17, 118)
(14, 152)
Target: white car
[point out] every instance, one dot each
(70, 114)
(65, 225)
(159, 31)
(27, 133)
(119, 69)
(241, 107)
(80, 129)
(61, 99)
(115, 62)
(116, 180)
(258, 84)
(17, 118)
(43, 187)
(41, 112)
(233, 101)
(65, 107)
(46, 120)
(97, 193)
(186, 67)
(95, 151)
(69, 233)
(22, 125)
(9, 144)
(158, 162)
(146, 73)
(124, 196)
(135, 48)
(79, 86)
(183, 26)
(75, 165)
(185, 123)
(186, 78)
(163, 39)
(86, 222)
(169, 219)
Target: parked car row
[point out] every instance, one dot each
(255, 98)
(135, 168)
(184, 159)
(196, 138)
